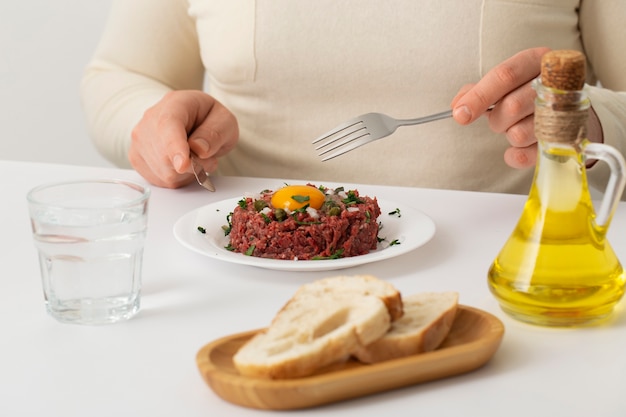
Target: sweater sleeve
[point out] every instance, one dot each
(604, 39)
(148, 48)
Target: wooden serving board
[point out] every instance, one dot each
(473, 339)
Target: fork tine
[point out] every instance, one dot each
(344, 148)
(365, 129)
(346, 125)
(344, 137)
(344, 140)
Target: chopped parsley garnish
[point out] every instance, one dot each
(352, 198)
(301, 198)
(301, 223)
(250, 250)
(301, 209)
(202, 230)
(395, 212)
(229, 227)
(336, 255)
(394, 242)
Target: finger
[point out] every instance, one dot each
(216, 135)
(461, 93)
(209, 164)
(521, 157)
(161, 135)
(172, 134)
(172, 180)
(522, 134)
(498, 82)
(512, 109)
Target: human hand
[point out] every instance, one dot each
(182, 121)
(508, 86)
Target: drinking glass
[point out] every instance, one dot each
(90, 236)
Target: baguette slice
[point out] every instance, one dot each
(427, 320)
(312, 332)
(355, 285)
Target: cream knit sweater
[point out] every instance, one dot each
(292, 69)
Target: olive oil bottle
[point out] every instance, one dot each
(557, 268)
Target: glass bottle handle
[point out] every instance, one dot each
(615, 186)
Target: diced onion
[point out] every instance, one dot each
(253, 196)
(312, 212)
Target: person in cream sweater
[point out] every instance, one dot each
(248, 84)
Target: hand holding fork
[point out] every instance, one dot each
(505, 91)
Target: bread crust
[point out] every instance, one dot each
(309, 334)
(426, 323)
(357, 285)
(330, 320)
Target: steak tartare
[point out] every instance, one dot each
(338, 224)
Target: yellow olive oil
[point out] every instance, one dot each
(557, 268)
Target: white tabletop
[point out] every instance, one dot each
(146, 366)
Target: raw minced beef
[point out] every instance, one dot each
(346, 225)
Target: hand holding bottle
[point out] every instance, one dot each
(508, 86)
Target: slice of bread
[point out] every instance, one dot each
(329, 320)
(426, 322)
(311, 332)
(355, 285)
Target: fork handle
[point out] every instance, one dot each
(425, 119)
(432, 117)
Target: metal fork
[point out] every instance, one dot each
(201, 175)
(365, 129)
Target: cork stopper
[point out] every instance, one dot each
(563, 70)
(561, 109)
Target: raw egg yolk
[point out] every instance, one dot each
(294, 197)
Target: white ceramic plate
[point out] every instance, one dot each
(411, 229)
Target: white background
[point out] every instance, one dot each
(44, 47)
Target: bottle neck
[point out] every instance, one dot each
(560, 116)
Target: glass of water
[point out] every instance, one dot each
(90, 237)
